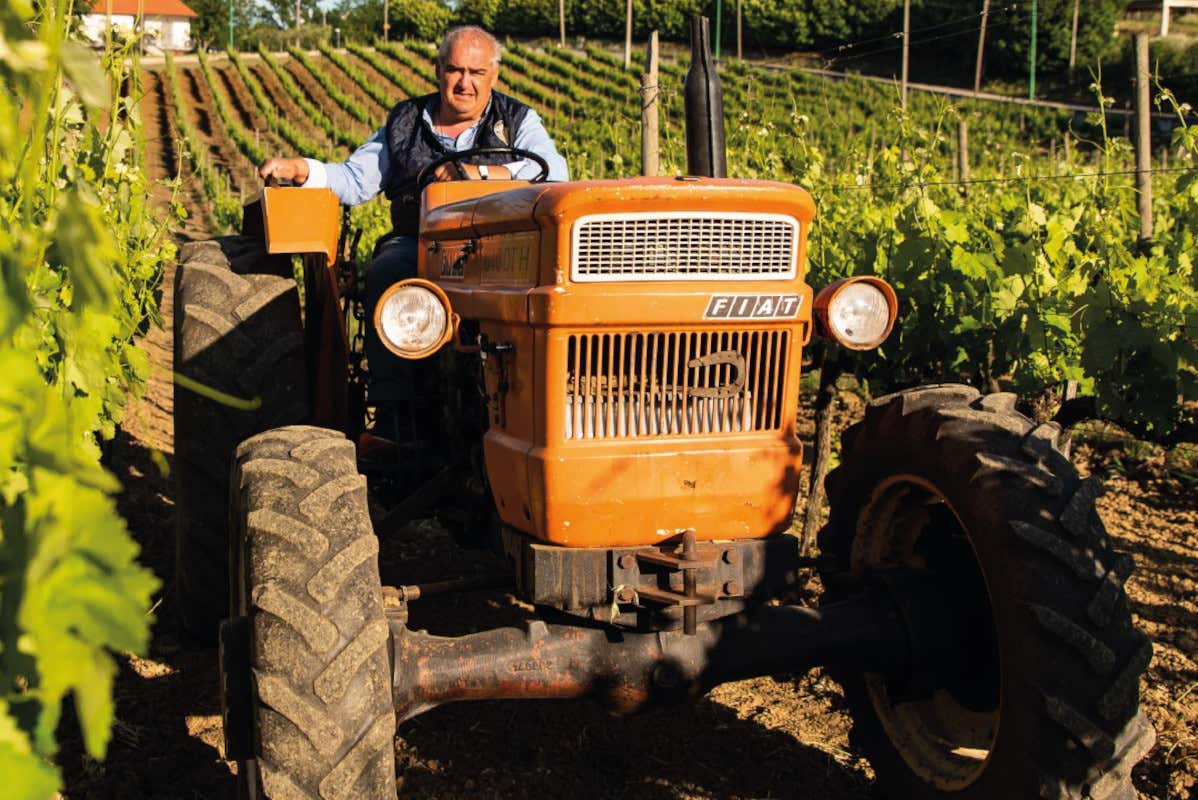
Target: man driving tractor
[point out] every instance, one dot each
(465, 113)
(615, 370)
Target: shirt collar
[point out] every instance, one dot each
(432, 106)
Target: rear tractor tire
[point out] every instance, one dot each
(1033, 691)
(305, 668)
(238, 331)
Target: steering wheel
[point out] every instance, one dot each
(424, 177)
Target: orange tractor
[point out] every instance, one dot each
(617, 371)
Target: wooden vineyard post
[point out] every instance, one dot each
(963, 153)
(740, 50)
(561, 23)
(906, 47)
(977, 72)
(1143, 138)
(1077, 4)
(386, 18)
(649, 139)
(628, 36)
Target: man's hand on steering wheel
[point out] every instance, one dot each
(457, 171)
(452, 166)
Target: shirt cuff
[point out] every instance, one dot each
(318, 176)
(516, 167)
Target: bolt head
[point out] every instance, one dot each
(626, 561)
(625, 595)
(731, 588)
(731, 556)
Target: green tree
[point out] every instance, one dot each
(210, 28)
(283, 11)
(1008, 43)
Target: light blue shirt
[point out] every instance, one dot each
(360, 177)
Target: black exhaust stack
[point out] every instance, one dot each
(706, 153)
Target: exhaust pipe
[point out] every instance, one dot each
(706, 153)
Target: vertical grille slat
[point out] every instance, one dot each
(767, 411)
(639, 384)
(684, 245)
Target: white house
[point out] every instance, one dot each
(167, 22)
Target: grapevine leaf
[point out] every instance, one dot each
(967, 324)
(956, 227)
(83, 594)
(82, 242)
(1058, 321)
(975, 266)
(26, 775)
(1020, 259)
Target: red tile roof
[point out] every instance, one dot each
(147, 8)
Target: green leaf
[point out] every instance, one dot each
(975, 266)
(84, 245)
(1020, 259)
(26, 776)
(83, 69)
(956, 227)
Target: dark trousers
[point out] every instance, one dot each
(391, 377)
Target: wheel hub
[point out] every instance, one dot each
(942, 713)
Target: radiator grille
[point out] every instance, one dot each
(684, 246)
(632, 385)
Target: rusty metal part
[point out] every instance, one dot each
(689, 582)
(585, 582)
(416, 591)
(395, 605)
(629, 672)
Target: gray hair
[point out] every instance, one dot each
(471, 32)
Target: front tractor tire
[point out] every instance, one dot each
(1024, 679)
(305, 669)
(238, 331)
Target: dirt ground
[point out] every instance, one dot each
(774, 737)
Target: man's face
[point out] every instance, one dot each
(467, 76)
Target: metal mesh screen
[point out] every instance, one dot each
(695, 246)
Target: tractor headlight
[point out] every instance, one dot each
(857, 313)
(413, 318)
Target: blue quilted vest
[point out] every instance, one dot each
(411, 146)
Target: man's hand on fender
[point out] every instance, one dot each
(284, 169)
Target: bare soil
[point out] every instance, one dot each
(320, 98)
(417, 81)
(774, 737)
(222, 150)
(346, 84)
